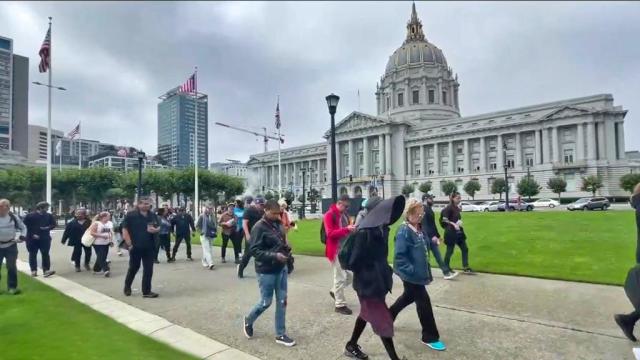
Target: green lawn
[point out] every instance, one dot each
(42, 323)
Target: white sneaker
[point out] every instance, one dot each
(450, 275)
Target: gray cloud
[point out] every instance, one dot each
(117, 58)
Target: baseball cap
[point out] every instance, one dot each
(426, 196)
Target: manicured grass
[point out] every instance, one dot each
(42, 323)
(597, 247)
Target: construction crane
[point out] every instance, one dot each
(264, 136)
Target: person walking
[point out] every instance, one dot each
(102, 232)
(117, 232)
(12, 232)
(208, 227)
(39, 225)
(372, 275)
(410, 262)
(432, 236)
(271, 253)
(228, 223)
(138, 229)
(72, 236)
(451, 221)
(635, 204)
(238, 212)
(163, 240)
(252, 214)
(337, 228)
(182, 225)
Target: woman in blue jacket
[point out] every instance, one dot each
(411, 264)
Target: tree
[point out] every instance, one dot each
(314, 197)
(629, 181)
(408, 190)
(472, 187)
(592, 184)
(499, 187)
(268, 196)
(528, 186)
(289, 196)
(425, 187)
(557, 185)
(449, 187)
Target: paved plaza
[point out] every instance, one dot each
(479, 317)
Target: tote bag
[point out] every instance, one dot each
(87, 239)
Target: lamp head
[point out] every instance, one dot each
(332, 103)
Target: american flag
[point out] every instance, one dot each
(45, 53)
(278, 123)
(73, 133)
(190, 86)
(122, 152)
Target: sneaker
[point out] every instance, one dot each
(49, 273)
(223, 261)
(239, 271)
(285, 340)
(450, 275)
(87, 267)
(108, 261)
(211, 267)
(626, 328)
(355, 351)
(107, 273)
(150, 295)
(14, 291)
(119, 253)
(171, 260)
(436, 345)
(248, 329)
(469, 271)
(189, 258)
(127, 291)
(34, 274)
(343, 310)
(237, 261)
(98, 273)
(78, 269)
(333, 296)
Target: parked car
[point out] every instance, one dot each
(486, 206)
(514, 205)
(589, 204)
(550, 203)
(495, 206)
(467, 206)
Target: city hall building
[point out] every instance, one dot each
(418, 135)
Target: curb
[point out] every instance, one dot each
(153, 326)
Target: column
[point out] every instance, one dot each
(465, 150)
(545, 146)
(387, 154)
(621, 149)
(381, 154)
(555, 145)
(483, 155)
(338, 162)
(436, 159)
(591, 141)
(318, 172)
(423, 161)
(602, 150)
(518, 158)
(328, 164)
(536, 156)
(500, 153)
(365, 156)
(452, 159)
(579, 142)
(610, 139)
(409, 168)
(438, 96)
(352, 158)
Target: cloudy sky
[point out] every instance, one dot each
(117, 58)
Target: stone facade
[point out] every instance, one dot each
(418, 136)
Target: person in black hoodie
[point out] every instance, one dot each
(182, 225)
(39, 225)
(451, 221)
(432, 236)
(72, 236)
(372, 275)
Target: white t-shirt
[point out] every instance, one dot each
(106, 228)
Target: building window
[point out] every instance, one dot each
(528, 160)
(566, 134)
(460, 148)
(416, 96)
(388, 103)
(475, 165)
(430, 152)
(493, 164)
(568, 156)
(571, 182)
(444, 98)
(492, 145)
(416, 169)
(432, 97)
(444, 167)
(460, 166)
(510, 162)
(400, 99)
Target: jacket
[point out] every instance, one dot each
(635, 203)
(268, 239)
(73, 232)
(410, 256)
(224, 218)
(429, 227)
(451, 214)
(335, 226)
(372, 275)
(182, 224)
(39, 224)
(211, 222)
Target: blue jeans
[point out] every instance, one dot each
(435, 249)
(270, 283)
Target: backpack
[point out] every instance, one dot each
(323, 232)
(346, 249)
(15, 221)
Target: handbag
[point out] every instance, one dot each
(87, 240)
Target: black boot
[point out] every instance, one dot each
(626, 325)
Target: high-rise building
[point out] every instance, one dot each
(14, 98)
(176, 129)
(37, 141)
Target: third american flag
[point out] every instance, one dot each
(190, 86)
(45, 53)
(73, 133)
(278, 123)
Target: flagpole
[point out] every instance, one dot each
(59, 147)
(279, 157)
(80, 146)
(48, 183)
(195, 152)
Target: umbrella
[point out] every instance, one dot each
(632, 286)
(386, 212)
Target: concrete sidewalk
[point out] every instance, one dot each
(479, 317)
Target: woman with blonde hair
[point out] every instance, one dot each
(411, 263)
(103, 239)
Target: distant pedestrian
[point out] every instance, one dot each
(228, 222)
(39, 225)
(411, 263)
(138, 229)
(208, 227)
(12, 231)
(182, 226)
(117, 232)
(635, 203)
(432, 237)
(102, 232)
(238, 235)
(72, 236)
(253, 212)
(163, 239)
(271, 253)
(451, 221)
(337, 228)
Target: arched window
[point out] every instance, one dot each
(357, 192)
(343, 191)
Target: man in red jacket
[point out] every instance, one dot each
(337, 228)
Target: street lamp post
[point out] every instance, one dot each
(304, 173)
(332, 103)
(382, 184)
(506, 178)
(141, 156)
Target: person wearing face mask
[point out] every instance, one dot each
(39, 225)
(72, 236)
(451, 221)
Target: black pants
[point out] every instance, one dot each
(246, 256)
(187, 240)
(163, 241)
(42, 245)
(387, 342)
(11, 254)
(77, 254)
(418, 294)
(462, 244)
(237, 245)
(101, 258)
(136, 256)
